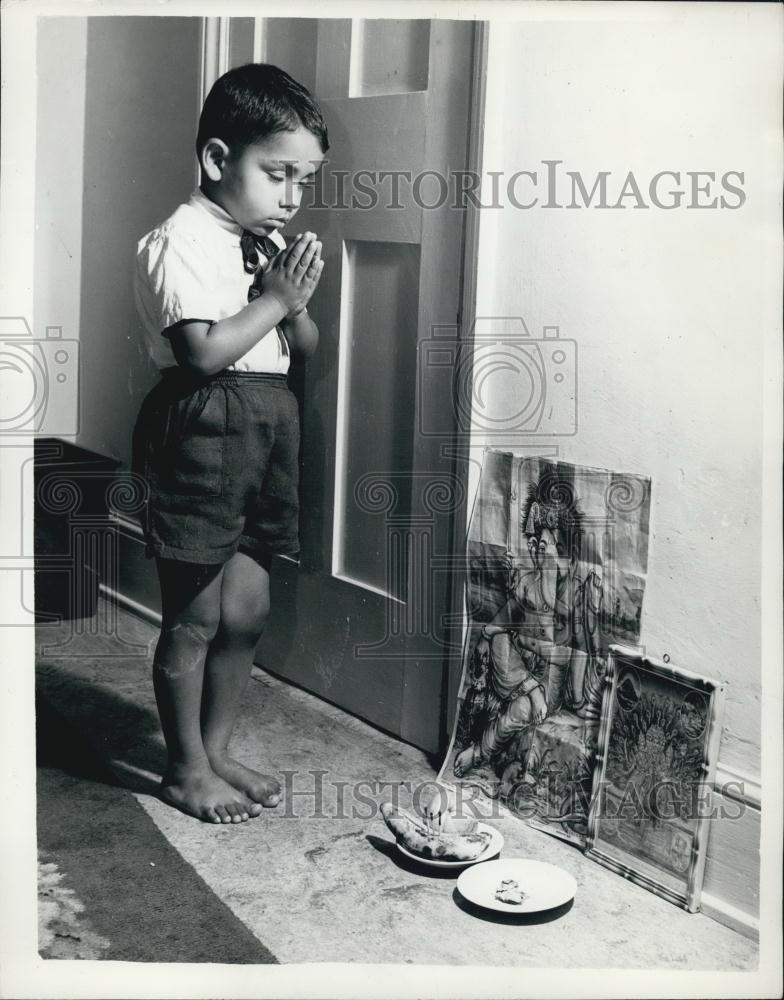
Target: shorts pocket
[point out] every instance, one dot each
(192, 457)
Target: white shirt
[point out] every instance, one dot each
(190, 267)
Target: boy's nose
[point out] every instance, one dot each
(291, 196)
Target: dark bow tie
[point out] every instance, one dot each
(251, 245)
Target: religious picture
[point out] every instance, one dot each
(557, 557)
(656, 759)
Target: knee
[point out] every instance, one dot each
(244, 621)
(182, 648)
(520, 711)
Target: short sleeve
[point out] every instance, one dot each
(173, 280)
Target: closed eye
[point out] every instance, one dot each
(280, 178)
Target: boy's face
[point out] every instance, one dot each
(261, 185)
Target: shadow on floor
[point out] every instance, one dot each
(390, 851)
(138, 894)
(107, 724)
(518, 919)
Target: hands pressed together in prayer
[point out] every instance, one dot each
(294, 274)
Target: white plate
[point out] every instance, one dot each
(545, 886)
(493, 848)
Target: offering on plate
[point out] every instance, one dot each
(510, 892)
(420, 837)
(442, 813)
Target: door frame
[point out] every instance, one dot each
(457, 604)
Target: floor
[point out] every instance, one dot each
(319, 879)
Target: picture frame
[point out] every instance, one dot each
(651, 801)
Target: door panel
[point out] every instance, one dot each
(356, 145)
(290, 42)
(392, 57)
(240, 40)
(360, 621)
(376, 400)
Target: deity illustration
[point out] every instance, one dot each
(540, 646)
(557, 563)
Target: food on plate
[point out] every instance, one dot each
(420, 838)
(443, 814)
(510, 892)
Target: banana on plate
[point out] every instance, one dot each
(419, 838)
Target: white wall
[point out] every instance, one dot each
(670, 309)
(118, 102)
(61, 57)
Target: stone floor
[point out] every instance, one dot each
(319, 879)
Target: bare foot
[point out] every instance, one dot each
(538, 705)
(260, 788)
(464, 761)
(199, 792)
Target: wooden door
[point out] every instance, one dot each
(361, 619)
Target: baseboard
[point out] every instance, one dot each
(137, 589)
(128, 604)
(725, 913)
(128, 526)
(738, 785)
(730, 892)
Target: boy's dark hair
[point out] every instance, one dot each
(251, 102)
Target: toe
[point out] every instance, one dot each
(255, 809)
(242, 808)
(234, 810)
(223, 813)
(211, 816)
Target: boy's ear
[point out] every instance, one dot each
(213, 158)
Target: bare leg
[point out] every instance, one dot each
(191, 602)
(244, 610)
(511, 720)
(575, 684)
(538, 704)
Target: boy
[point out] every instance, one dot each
(223, 304)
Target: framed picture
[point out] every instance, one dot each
(653, 778)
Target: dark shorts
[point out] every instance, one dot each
(220, 459)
